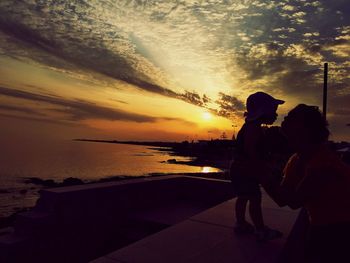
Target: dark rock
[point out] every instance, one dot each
(71, 181)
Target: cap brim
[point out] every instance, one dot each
(279, 102)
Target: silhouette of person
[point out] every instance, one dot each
(315, 178)
(251, 159)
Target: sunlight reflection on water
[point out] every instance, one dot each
(207, 169)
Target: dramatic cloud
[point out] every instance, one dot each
(195, 51)
(195, 98)
(229, 105)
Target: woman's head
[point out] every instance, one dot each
(305, 125)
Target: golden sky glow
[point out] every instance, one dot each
(150, 70)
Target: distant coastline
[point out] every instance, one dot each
(212, 153)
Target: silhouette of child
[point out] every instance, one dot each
(315, 178)
(249, 161)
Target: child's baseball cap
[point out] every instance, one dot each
(259, 104)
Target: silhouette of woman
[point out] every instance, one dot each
(315, 178)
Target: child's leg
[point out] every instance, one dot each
(242, 226)
(241, 204)
(263, 233)
(256, 212)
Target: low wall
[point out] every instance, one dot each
(78, 223)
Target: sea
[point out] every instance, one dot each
(88, 161)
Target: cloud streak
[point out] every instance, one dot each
(77, 110)
(20, 109)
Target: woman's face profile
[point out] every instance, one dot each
(294, 130)
(304, 126)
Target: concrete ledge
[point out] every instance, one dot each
(209, 237)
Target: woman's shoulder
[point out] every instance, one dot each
(326, 159)
(324, 156)
(292, 161)
(293, 158)
(292, 176)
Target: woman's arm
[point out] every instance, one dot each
(282, 194)
(311, 185)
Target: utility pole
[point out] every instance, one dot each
(325, 90)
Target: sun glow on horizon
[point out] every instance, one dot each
(207, 116)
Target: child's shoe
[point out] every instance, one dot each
(267, 234)
(244, 228)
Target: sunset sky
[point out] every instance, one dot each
(166, 70)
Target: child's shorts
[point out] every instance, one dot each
(243, 181)
(243, 186)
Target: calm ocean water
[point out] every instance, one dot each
(84, 160)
